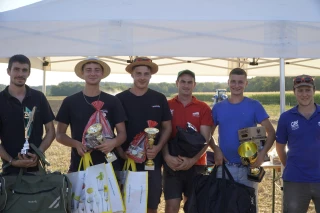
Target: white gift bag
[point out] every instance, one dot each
(114, 190)
(97, 190)
(136, 192)
(78, 191)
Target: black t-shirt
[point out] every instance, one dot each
(76, 112)
(139, 109)
(12, 122)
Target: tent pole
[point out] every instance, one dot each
(44, 90)
(282, 86)
(282, 107)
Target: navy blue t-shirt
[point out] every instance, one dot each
(303, 139)
(139, 109)
(12, 122)
(76, 112)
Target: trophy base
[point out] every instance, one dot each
(24, 151)
(110, 157)
(149, 165)
(257, 176)
(146, 167)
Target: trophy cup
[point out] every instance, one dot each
(94, 137)
(151, 133)
(248, 152)
(27, 130)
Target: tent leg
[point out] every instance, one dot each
(282, 107)
(282, 86)
(44, 90)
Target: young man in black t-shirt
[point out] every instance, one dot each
(142, 104)
(77, 109)
(16, 102)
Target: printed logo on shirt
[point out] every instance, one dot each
(171, 110)
(156, 106)
(294, 125)
(196, 114)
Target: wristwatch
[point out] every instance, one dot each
(10, 161)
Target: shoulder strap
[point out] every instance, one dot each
(40, 155)
(69, 193)
(226, 170)
(6, 166)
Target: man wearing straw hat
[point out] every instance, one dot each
(77, 109)
(299, 128)
(142, 104)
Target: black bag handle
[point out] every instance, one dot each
(226, 170)
(223, 185)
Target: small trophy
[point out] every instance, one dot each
(151, 133)
(248, 152)
(94, 137)
(27, 130)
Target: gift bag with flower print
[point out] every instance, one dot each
(97, 198)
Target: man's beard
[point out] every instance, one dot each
(19, 84)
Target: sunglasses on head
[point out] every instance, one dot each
(142, 59)
(306, 79)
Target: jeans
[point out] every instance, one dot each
(297, 196)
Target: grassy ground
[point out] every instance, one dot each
(59, 157)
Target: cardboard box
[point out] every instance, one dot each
(260, 143)
(252, 133)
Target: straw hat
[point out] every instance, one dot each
(78, 68)
(142, 61)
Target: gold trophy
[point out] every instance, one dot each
(151, 133)
(248, 152)
(27, 130)
(94, 137)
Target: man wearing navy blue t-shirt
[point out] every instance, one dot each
(299, 129)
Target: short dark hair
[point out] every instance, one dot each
(238, 71)
(22, 59)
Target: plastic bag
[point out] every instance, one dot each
(137, 148)
(97, 128)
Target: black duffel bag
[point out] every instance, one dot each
(220, 195)
(187, 143)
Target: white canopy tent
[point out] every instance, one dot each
(275, 31)
(221, 30)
